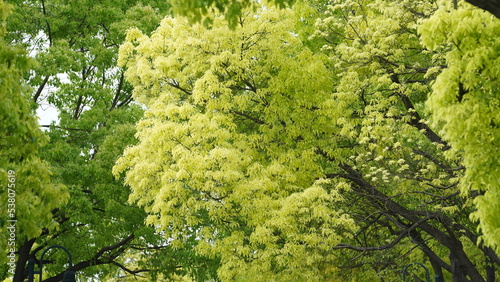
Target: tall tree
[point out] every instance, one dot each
(286, 163)
(28, 194)
(465, 104)
(75, 45)
(227, 162)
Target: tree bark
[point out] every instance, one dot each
(490, 270)
(461, 264)
(98, 258)
(24, 255)
(40, 89)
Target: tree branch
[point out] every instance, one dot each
(115, 246)
(176, 85)
(133, 272)
(49, 32)
(118, 91)
(415, 119)
(492, 6)
(451, 242)
(95, 260)
(78, 108)
(256, 120)
(40, 89)
(402, 234)
(65, 128)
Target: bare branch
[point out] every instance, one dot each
(402, 234)
(40, 89)
(65, 128)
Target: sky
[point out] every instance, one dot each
(46, 114)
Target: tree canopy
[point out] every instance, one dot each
(312, 140)
(28, 194)
(73, 49)
(284, 160)
(465, 104)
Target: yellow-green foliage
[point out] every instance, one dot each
(465, 103)
(227, 144)
(202, 10)
(263, 151)
(381, 90)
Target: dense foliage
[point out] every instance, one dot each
(282, 160)
(270, 140)
(73, 49)
(28, 195)
(465, 104)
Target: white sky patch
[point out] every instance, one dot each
(47, 114)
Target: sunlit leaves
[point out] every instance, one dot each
(233, 11)
(255, 150)
(227, 143)
(465, 103)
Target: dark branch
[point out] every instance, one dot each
(49, 32)
(40, 89)
(78, 108)
(256, 120)
(402, 234)
(176, 85)
(65, 128)
(97, 259)
(416, 120)
(130, 271)
(118, 91)
(492, 6)
(115, 246)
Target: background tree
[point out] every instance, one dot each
(28, 194)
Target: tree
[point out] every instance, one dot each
(28, 194)
(284, 162)
(385, 62)
(226, 163)
(320, 142)
(464, 103)
(75, 46)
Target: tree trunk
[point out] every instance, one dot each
(24, 255)
(490, 270)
